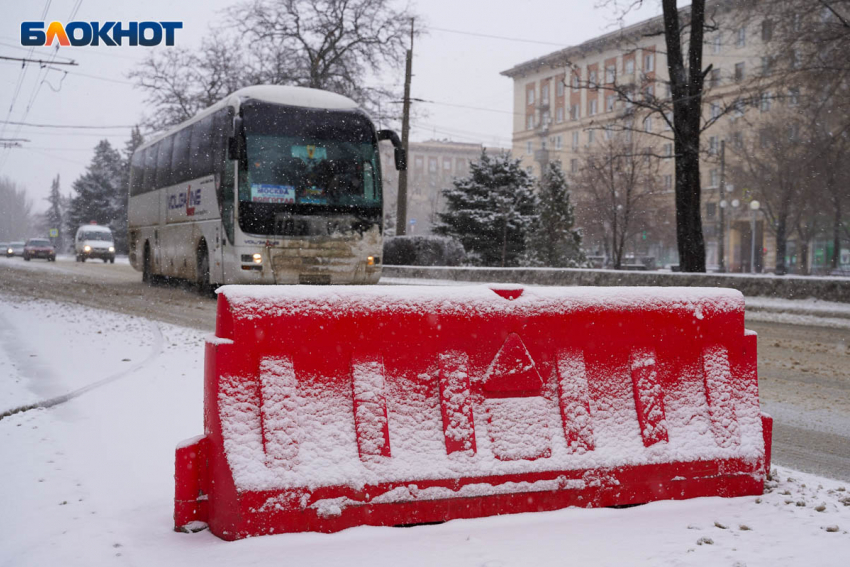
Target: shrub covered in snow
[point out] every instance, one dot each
(423, 251)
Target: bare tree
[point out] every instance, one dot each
(338, 45)
(16, 213)
(620, 177)
(681, 111)
(807, 49)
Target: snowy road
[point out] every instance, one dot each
(804, 367)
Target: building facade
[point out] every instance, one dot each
(431, 167)
(569, 103)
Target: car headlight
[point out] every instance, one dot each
(86, 248)
(10, 251)
(112, 249)
(258, 258)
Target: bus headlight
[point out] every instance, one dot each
(112, 249)
(258, 258)
(86, 248)
(370, 260)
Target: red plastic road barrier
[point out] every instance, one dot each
(331, 407)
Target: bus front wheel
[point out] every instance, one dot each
(203, 271)
(147, 276)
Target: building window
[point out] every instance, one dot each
(432, 165)
(575, 80)
(529, 147)
(573, 166)
(648, 62)
(741, 39)
(794, 97)
(447, 164)
(593, 103)
(715, 77)
(609, 102)
(529, 170)
(529, 96)
(668, 182)
(529, 122)
(460, 165)
(420, 163)
(543, 145)
(765, 102)
(649, 92)
(669, 90)
(737, 140)
(591, 136)
(717, 43)
(545, 118)
(667, 150)
(793, 132)
(610, 73)
(559, 115)
(575, 141)
(559, 142)
(559, 87)
(647, 124)
(713, 178)
(766, 65)
(710, 210)
(712, 145)
(591, 78)
(544, 93)
(740, 73)
(609, 132)
(574, 112)
(715, 111)
(669, 120)
(795, 58)
(629, 66)
(766, 30)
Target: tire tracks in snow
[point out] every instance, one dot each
(156, 350)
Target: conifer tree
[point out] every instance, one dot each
(98, 194)
(55, 214)
(553, 242)
(490, 211)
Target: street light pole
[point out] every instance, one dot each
(721, 245)
(754, 207)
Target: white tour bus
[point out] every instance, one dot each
(272, 185)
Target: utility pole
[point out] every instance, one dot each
(401, 210)
(721, 244)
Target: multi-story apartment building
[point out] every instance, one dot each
(431, 167)
(566, 102)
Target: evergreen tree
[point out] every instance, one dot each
(99, 192)
(553, 242)
(490, 211)
(55, 215)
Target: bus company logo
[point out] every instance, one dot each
(78, 34)
(188, 200)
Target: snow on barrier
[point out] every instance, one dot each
(331, 407)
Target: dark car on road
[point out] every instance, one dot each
(39, 248)
(14, 249)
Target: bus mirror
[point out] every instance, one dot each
(400, 159)
(400, 152)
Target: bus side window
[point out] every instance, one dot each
(163, 163)
(149, 182)
(137, 173)
(200, 153)
(180, 171)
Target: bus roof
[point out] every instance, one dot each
(276, 94)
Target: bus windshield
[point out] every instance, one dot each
(306, 162)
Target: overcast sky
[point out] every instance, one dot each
(448, 67)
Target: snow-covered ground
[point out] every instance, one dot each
(89, 482)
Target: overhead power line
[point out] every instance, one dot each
(39, 61)
(501, 37)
